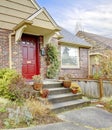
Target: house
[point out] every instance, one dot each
(74, 55)
(25, 29)
(99, 45)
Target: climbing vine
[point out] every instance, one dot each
(52, 60)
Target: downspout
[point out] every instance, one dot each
(89, 65)
(10, 49)
(18, 35)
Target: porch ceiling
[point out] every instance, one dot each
(35, 30)
(31, 29)
(39, 23)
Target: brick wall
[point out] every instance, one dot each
(81, 72)
(16, 55)
(4, 48)
(43, 67)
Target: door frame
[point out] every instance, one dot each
(37, 51)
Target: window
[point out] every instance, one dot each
(69, 57)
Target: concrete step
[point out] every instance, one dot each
(68, 105)
(61, 98)
(52, 85)
(54, 91)
(64, 97)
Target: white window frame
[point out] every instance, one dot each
(75, 54)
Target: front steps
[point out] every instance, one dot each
(62, 98)
(68, 105)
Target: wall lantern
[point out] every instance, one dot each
(42, 51)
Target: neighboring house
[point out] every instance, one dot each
(25, 29)
(74, 55)
(99, 45)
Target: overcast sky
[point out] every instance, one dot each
(94, 16)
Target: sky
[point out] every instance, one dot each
(94, 16)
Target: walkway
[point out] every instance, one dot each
(88, 118)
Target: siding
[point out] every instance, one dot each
(7, 25)
(23, 2)
(42, 16)
(13, 12)
(43, 24)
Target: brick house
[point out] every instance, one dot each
(25, 29)
(99, 45)
(78, 49)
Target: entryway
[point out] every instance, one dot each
(30, 54)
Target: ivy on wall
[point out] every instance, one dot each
(52, 60)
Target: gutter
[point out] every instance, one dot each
(73, 44)
(10, 49)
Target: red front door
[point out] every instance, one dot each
(30, 53)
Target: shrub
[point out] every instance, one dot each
(18, 115)
(11, 84)
(107, 101)
(105, 63)
(6, 77)
(17, 89)
(37, 108)
(53, 59)
(97, 75)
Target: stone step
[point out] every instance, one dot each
(64, 97)
(52, 85)
(68, 105)
(54, 91)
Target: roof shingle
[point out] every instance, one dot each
(101, 40)
(68, 37)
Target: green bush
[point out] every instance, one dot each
(97, 75)
(105, 63)
(6, 76)
(10, 84)
(53, 58)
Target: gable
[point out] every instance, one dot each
(39, 23)
(96, 40)
(41, 18)
(12, 12)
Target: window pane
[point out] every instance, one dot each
(69, 57)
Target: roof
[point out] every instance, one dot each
(70, 38)
(101, 40)
(35, 4)
(45, 16)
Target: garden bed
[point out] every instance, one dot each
(31, 113)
